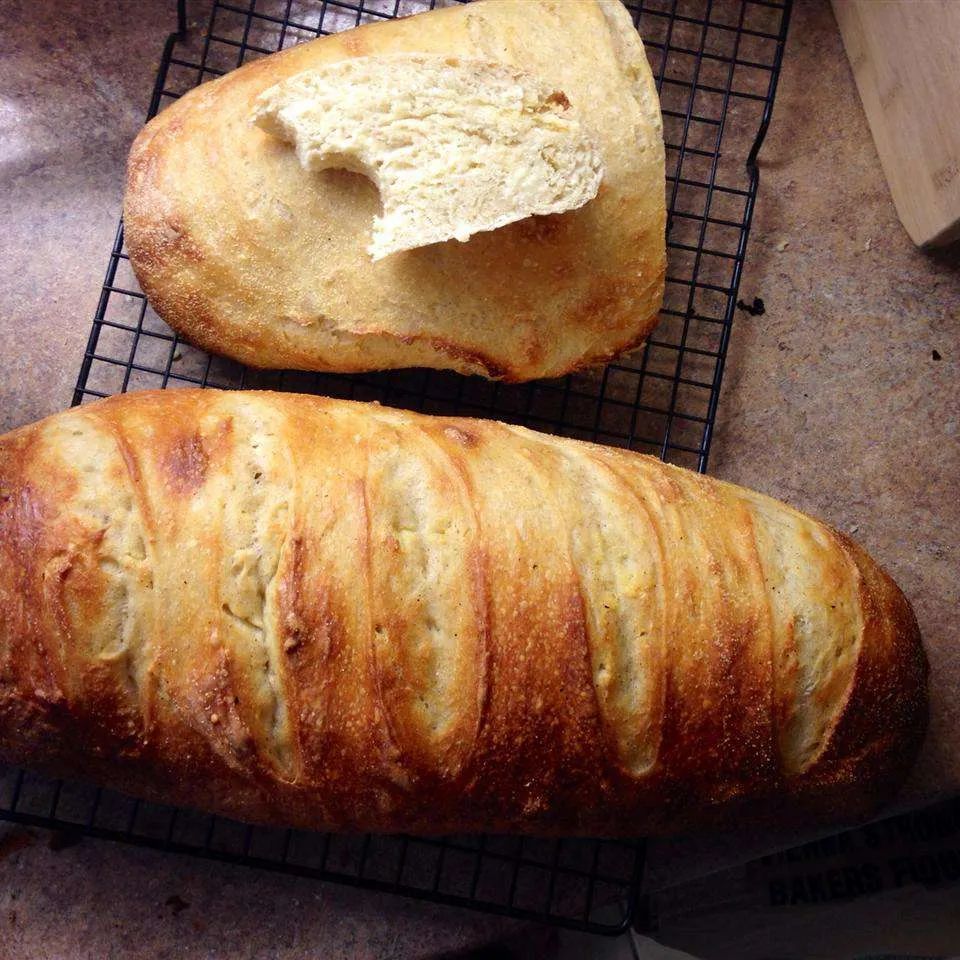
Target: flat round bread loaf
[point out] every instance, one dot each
(247, 254)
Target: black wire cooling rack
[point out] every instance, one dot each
(716, 63)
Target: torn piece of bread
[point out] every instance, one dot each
(455, 145)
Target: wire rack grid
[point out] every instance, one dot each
(716, 64)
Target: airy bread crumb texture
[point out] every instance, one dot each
(455, 145)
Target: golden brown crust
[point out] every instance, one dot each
(881, 726)
(319, 613)
(246, 254)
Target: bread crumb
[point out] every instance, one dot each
(393, 116)
(214, 717)
(177, 904)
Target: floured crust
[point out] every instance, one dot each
(311, 612)
(248, 255)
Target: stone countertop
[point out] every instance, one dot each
(842, 398)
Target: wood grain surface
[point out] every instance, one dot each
(905, 56)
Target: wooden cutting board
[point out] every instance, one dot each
(905, 56)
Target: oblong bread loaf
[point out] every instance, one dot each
(326, 614)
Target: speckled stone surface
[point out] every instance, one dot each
(75, 81)
(832, 400)
(99, 901)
